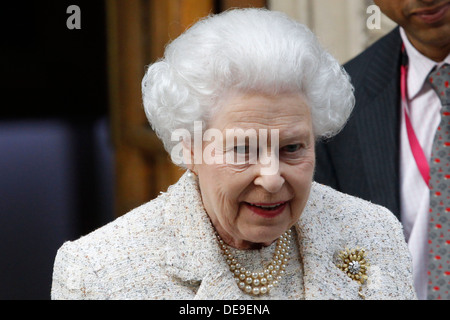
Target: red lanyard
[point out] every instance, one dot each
(416, 149)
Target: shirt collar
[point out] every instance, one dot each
(419, 66)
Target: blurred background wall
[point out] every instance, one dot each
(75, 148)
(340, 25)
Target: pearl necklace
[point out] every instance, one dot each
(258, 283)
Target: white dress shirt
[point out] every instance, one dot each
(424, 110)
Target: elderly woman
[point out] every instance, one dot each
(239, 100)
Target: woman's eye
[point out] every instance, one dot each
(291, 148)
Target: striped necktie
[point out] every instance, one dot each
(439, 227)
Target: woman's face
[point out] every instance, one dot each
(260, 189)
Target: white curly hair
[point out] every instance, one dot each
(243, 50)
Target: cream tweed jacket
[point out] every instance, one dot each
(166, 249)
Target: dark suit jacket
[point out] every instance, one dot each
(363, 159)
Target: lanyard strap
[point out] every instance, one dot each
(416, 149)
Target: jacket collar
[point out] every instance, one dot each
(377, 91)
(193, 256)
(192, 253)
(318, 248)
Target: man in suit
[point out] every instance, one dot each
(372, 158)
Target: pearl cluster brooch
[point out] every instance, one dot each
(354, 264)
(258, 283)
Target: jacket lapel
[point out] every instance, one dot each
(194, 257)
(318, 248)
(379, 120)
(219, 285)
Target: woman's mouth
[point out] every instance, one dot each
(267, 210)
(432, 15)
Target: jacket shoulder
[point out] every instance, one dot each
(391, 42)
(340, 221)
(344, 206)
(352, 220)
(381, 55)
(118, 248)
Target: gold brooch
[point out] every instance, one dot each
(354, 264)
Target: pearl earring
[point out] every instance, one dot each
(191, 175)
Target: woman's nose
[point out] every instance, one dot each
(271, 182)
